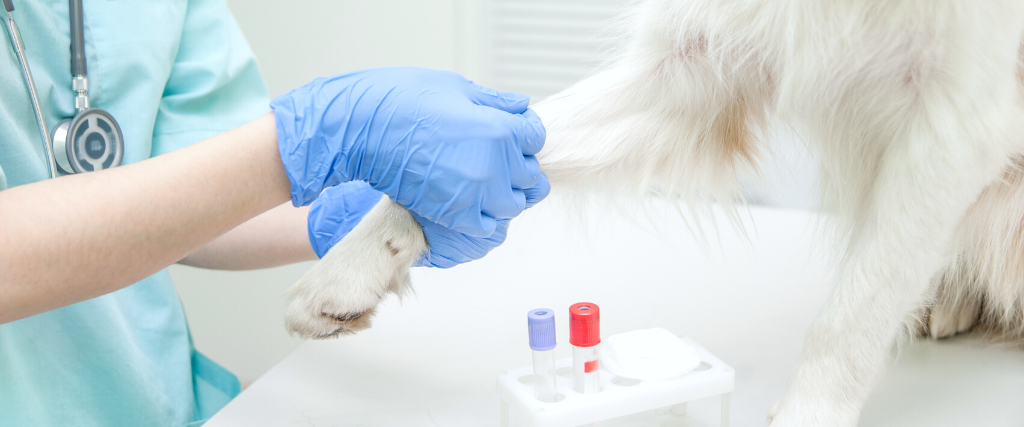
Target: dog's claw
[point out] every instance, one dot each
(344, 317)
(333, 334)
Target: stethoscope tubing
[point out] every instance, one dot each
(44, 133)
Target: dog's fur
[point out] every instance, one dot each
(914, 108)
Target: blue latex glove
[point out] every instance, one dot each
(337, 211)
(451, 151)
(449, 248)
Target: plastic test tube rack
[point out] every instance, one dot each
(618, 397)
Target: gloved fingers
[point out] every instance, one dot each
(509, 102)
(520, 196)
(538, 192)
(530, 132)
(476, 224)
(445, 246)
(502, 197)
(449, 248)
(443, 252)
(523, 174)
(498, 237)
(512, 203)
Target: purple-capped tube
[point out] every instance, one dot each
(542, 341)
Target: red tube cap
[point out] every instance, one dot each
(584, 324)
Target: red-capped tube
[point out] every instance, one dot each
(584, 324)
(585, 337)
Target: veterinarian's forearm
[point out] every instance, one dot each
(275, 237)
(73, 238)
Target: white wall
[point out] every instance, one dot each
(298, 41)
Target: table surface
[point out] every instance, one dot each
(748, 296)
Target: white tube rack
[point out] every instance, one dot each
(619, 397)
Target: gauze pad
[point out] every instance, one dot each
(648, 354)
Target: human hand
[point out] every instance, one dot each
(453, 152)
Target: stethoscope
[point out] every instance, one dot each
(91, 140)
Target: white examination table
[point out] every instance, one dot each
(432, 359)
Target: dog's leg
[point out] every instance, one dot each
(339, 294)
(910, 137)
(920, 196)
(679, 111)
(927, 165)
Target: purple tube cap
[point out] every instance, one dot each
(542, 329)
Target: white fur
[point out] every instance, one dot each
(912, 106)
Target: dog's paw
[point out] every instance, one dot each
(946, 320)
(796, 410)
(815, 399)
(339, 295)
(953, 311)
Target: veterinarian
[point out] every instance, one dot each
(207, 175)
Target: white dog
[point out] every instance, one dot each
(914, 108)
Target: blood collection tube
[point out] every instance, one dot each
(542, 341)
(585, 336)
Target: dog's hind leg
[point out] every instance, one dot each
(988, 265)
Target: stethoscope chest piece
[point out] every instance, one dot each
(92, 140)
(89, 142)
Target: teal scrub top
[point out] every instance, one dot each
(173, 72)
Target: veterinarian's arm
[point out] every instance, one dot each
(274, 238)
(76, 237)
(470, 166)
(286, 235)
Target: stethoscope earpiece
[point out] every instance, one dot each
(91, 141)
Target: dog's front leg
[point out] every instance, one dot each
(340, 293)
(924, 185)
